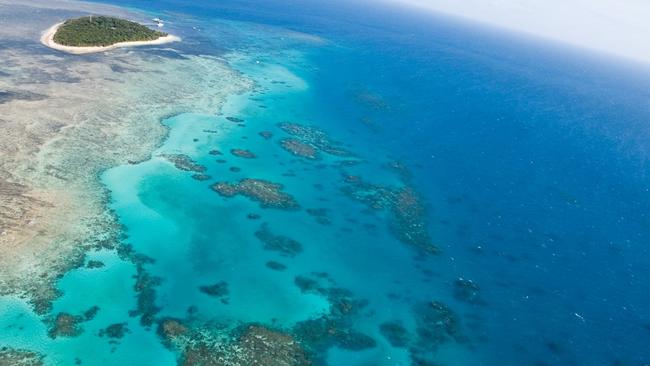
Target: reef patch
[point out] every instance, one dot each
(268, 194)
(281, 244)
(184, 162)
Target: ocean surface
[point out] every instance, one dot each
(438, 192)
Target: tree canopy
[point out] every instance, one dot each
(102, 31)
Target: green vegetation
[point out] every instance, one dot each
(102, 31)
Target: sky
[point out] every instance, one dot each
(620, 27)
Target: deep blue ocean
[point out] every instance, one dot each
(525, 162)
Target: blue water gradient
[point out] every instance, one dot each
(531, 159)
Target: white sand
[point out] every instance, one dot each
(618, 27)
(48, 39)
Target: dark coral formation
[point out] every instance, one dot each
(395, 333)
(184, 162)
(92, 264)
(235, 119)
(276, 266)
(436, 324)
(263, 346)
(91, 313)
(218, 290)
(215, 152)
(408, 215)
(467, 291)
(268, 194)
(320, 214)
(201, 177)
(284, 245)
(145, 286)
(409, 225)
(19, 357)
(170, 329)
(314, 137)
(65, 325)
(242, 153)
(252, 344)
(114, 331)
(299, 148)
(334, 329)
(267, 135)
(235, 169)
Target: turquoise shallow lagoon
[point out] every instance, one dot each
(521, 164)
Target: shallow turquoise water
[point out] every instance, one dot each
(531, 160)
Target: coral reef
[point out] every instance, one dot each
(248, 345)
(268, 194)
(242, 153)
(92, 264)
(184, 162)
(65, 325)
(276, 266)
(218, 290)
(395, 333)
(314, 137)
(19, 357)
(467, 291)
(201, 177)
(267, 135)
(114, 331)
(336, 327)
(408, 216)
(299, 148)
(284, 245)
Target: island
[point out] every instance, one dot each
(92, 34)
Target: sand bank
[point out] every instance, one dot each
(48, 40)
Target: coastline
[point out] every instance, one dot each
(47, 39)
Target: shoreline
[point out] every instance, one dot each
(47, 39)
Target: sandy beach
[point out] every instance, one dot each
(48, 40)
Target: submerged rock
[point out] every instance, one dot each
(268, 194)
